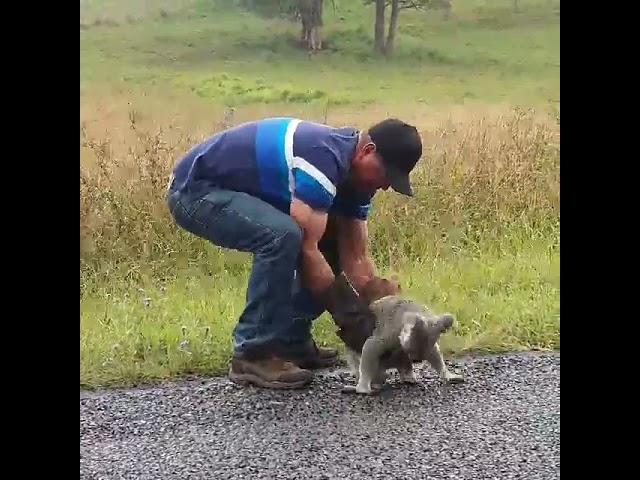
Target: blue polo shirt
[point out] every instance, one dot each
(277, 159)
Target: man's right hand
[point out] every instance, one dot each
(379, 287)
(351, 315)
(340, 296)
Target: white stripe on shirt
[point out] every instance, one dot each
(288, 150)
(301, 163)
(312, 171)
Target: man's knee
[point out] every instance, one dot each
(285, 240)
(290, 237)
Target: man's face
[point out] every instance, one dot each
(368, 171)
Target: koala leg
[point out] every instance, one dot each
(380, 378)
(434, 357)
(405, 369)
(353, 360)
(369, 364)
(385, 363)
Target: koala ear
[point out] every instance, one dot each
(445, 322)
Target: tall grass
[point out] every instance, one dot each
(476, 180)
(480, 239)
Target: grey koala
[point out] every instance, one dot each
(405, 332)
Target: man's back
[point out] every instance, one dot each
(276, 158)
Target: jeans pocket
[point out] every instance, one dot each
(200, 215)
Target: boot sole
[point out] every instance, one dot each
(246, 379)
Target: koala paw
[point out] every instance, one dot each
(363, 389)
(375, 389)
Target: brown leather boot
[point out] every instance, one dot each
(314, 357)
(272, 372)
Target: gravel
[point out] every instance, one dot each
(502, 423)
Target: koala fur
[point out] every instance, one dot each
(405, 332)
(376, 289)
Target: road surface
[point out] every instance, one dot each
(503, 423)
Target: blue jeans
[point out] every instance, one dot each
(279, 312)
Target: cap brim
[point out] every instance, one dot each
(399, 181)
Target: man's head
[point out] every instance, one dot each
(385, 155)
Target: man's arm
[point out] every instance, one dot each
(317, 275)
(353, 240)
(355, 322)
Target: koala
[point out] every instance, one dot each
(373, 290)
(405, 332)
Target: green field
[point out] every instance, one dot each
(480, 239)
(486, 53)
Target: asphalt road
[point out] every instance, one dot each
(502, 423)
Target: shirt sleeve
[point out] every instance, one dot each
(315, 185)
(352, 204)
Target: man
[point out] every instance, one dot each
(296, 195)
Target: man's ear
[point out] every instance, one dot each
(369, 147)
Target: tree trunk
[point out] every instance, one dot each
(516, 7)
(317, 15)
(393, 26)
(379, 29)
(310, 12)
(447, 9)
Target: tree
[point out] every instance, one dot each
(310, 14)
(379, 43)
(446, 6)
(385, 46)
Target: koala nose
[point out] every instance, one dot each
(446, 321)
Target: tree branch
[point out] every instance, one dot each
(415, 4)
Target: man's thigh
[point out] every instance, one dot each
(232, 219)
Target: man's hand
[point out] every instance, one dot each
(317, 275)
(379, 287)
(354, 319)
(353, 239)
